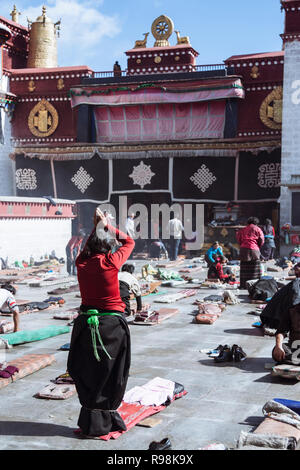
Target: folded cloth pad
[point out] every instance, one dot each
(65, 316)
(208, 313)
(269, 441)
(286, 371)
(150, 317)
(279, 412)
(57, 392)
(27, 365)
(155, 392)
(168, 299)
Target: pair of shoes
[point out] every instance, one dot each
(162, 445)
(227, 354)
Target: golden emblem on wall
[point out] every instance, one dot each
(254, 72)
(60, 84)
(162, 28)
(31, 86)
(43, 119)
(157, 59)
(271, 109)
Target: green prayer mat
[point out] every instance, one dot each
(27, 336)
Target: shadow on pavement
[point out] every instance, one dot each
(21, 428)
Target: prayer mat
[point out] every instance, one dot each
(64, 290)
(43, 283)
(170, 264)
(28, 336)
(27, 365)
(195, 269)
(155, 317)
(167, 299)
(291, 404)
(132, 414)
(66, 316)
(57, 392)
(286, 371)
(271, 426)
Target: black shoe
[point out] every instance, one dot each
(162, 445)
(225, 355)
(238, 353)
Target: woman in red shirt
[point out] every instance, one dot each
(99, 357)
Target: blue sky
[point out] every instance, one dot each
(97, 32)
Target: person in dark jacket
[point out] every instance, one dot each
(283, 314)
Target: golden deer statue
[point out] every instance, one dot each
(183, 40)
(141, 43)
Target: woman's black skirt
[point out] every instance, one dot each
(100, 385)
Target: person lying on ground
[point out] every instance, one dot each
(7, 299)
(129, 284)
(216, 270)
(283, 314)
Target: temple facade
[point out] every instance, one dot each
(166, 130)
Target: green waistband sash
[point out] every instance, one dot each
(93, 323)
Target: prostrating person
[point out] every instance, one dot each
(216, 271)
(283, 314)
(7, 300)
(99, 356)
(129, 285)
(250, 238)
(214, 251)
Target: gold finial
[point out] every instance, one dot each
(15, 14)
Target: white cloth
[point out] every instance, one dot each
(175, 228)
(7, 300)
(131, 281)
(130, 227)
(153, 393)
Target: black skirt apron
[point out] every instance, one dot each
(100, 384)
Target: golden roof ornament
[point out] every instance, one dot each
(42, 45)
(15, 14)
(182, 40)
(162, 28)
(141, 43)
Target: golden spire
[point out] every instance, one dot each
(15, 14)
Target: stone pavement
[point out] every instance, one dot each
(223, 399)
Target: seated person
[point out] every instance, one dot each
(7, 299)
(294, 255)
(215, 249)
(234, 253)
(157, 249)
(129, 284)
(216, 271)
(283, 314)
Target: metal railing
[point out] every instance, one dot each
(195, 68)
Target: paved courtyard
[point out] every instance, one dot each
(222, 400)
